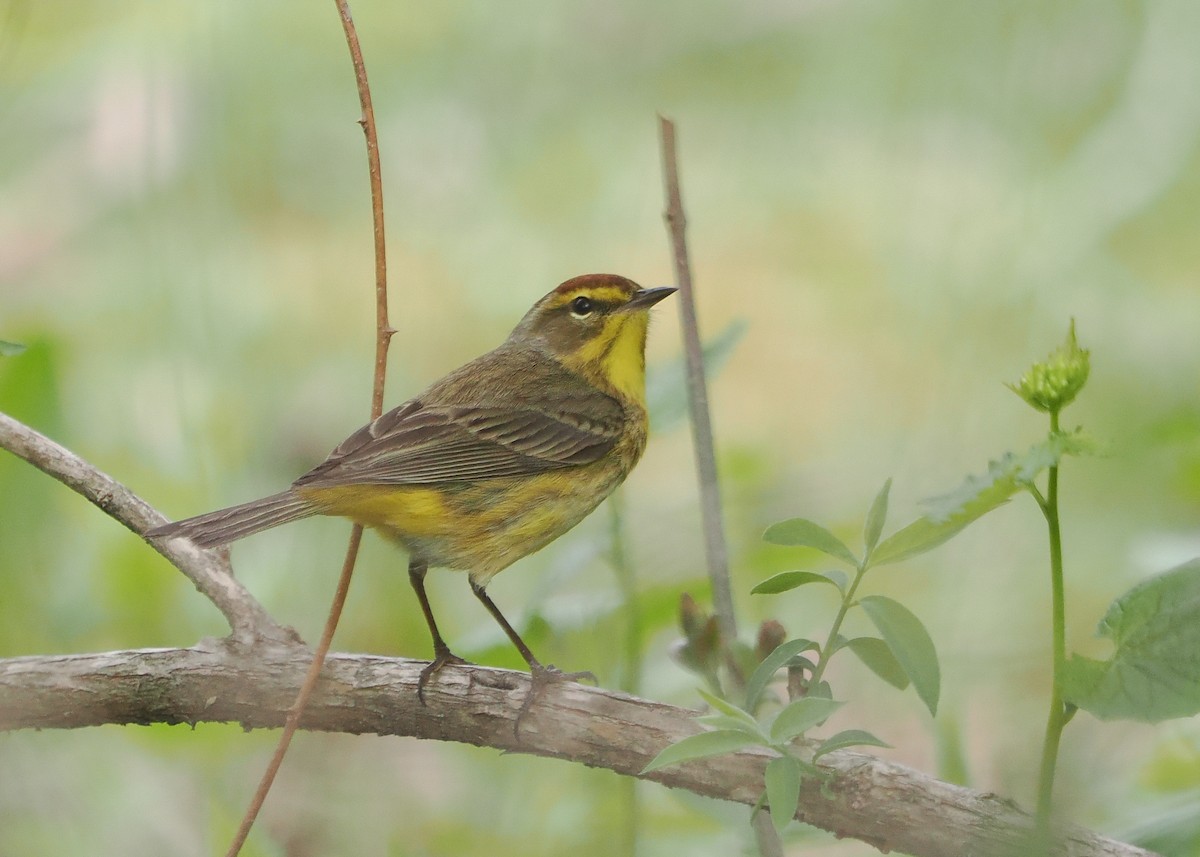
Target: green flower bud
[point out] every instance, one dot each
(1055, 382)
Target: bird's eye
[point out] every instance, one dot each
(581, 307)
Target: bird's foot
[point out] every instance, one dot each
(442, 657)
(541, 677)
(550, 674)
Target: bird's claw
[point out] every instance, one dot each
(550, 674)
(441, 658)
(541, 677)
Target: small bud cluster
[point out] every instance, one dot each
(1053, 384)
(700, 649)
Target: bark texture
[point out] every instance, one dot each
(890, 806)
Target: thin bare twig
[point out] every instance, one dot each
(383, 328)
(383, 336)
(702, 433)
(767, 837)
(209, 571)
(883, 803)
(301, 702)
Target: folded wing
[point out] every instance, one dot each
(417, 444)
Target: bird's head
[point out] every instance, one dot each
(595, 324)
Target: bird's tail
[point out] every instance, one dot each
(227, 525)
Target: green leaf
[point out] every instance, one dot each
(910, 643)
(722, 705)
(876, 518)
(838, 578)
(787, 580)
(10, 349)
(1154, 674)
(848, 738)
(801, 532)
(735, 724)
(783, 790)
(1005, 476)
(921, 536)
(800, 716)
(729, 716)
(878, 657)
(700, 746)
(770, 665)
(666, 384)
(947, 515)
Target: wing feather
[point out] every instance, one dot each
(419, 443)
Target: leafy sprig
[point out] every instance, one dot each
(904, 652)
(735, 728)
(1153, 673)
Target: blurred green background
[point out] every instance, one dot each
(904, 202)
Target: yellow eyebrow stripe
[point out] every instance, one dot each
(600, 294)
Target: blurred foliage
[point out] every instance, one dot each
(1154, 672)
(902, 201)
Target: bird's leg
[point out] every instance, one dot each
(540, 675)
(441, 652)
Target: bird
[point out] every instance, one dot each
(493, 461)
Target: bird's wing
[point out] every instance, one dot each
(422, 444)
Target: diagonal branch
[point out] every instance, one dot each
(208, 570)
(887, 805)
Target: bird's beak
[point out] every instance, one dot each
(646, 298)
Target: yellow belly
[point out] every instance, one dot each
(480, 527)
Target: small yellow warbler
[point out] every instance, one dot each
(495, 460)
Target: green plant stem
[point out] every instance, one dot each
(1058, 714)
(836, 627)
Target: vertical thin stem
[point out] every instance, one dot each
(836, 627)
(631, 660)
(766, 837)
(631, 644)
(1057, 718)
(383, 336)
(632, 824)
(383, 329)
(702, 434)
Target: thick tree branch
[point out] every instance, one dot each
(208, 570)
(888, 805)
